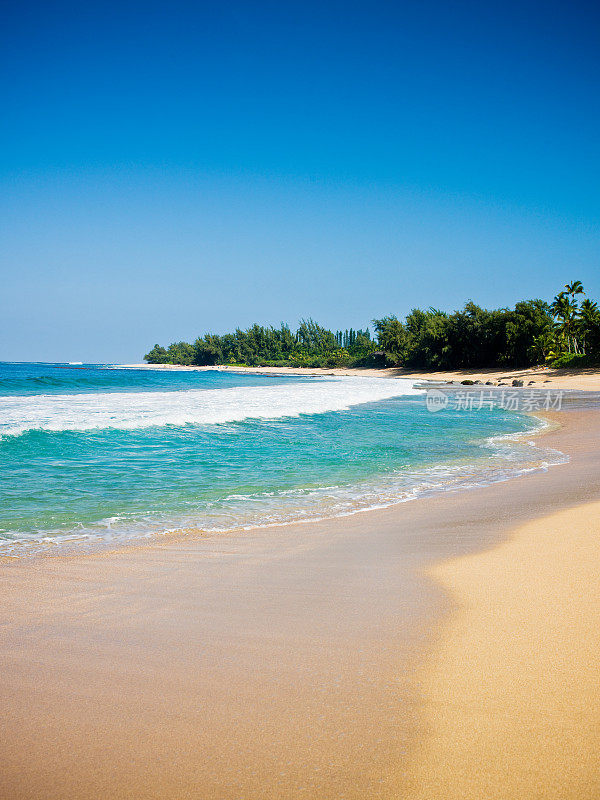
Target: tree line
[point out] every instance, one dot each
(311, 345)
(565, 332)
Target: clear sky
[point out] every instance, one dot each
(169, 169)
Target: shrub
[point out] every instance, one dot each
(574, 360)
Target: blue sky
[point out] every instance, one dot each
(171, 169)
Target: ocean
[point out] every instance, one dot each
(94, 456)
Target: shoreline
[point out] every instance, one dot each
(83, 547)
(289, 661)
(582, 379)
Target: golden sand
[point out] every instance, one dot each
(512, 698)
(585, 379)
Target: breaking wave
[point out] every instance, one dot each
(133, 410)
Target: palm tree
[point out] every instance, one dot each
(564, 307)
(542, 348)
(576, 287)
(589, 316)
(589, 308)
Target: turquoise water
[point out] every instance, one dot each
(92, 455)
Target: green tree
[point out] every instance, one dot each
(433, 339)
(158, 355)
(393, 339)
(208, 350)
(589, 327)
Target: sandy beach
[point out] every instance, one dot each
(511, 696)
(582, 379)
(445, 647)
(373, 574)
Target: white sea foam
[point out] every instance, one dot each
(131, 410)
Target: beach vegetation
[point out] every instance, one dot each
(563, 332)
(158, 355)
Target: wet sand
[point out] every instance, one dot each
(290, 662)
